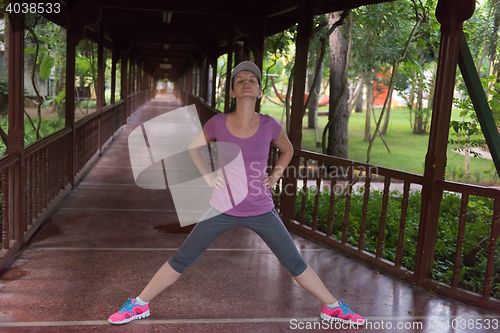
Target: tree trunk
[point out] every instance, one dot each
(418, 124)
(494, 35)
(369, 91)
(287, 100)
(411, 98)
(314, 99)
(338, 111)
(359, 99)
(387, 115)
(429, 104)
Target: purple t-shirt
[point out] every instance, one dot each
(243, 162)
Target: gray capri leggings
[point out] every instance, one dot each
(268, 226)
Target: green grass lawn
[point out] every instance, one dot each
(408, 150)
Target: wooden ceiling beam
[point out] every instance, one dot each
(193, 6)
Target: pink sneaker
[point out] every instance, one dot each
(128, 312)
(341, 313)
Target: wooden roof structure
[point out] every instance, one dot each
(168, 36)
(180, 40)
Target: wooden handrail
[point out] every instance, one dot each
(469, 189)
(33, 147)
(107, 108)
(394, 174)
(88, 118)
(8, 160)
(96, 114)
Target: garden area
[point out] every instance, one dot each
(407, 150)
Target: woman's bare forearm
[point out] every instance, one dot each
(201, 164)
(280, 167)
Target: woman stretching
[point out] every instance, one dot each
(232, 205)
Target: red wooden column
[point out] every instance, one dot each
(204, 79)
(16, 123)
(124, 85)
(184, 88)
(141, 82)
(238, 51)
(114, 60)
(246, 51)
(253, 26)
(258, 52)
(100, 71)
(100, 85)
(229, 66)
(195, 79)
(214, 82)
(451, 14)
(130, 87)
(191, 80)
(188, 84)
(304, 33)
(71, 42)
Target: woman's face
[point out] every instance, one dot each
(245, 84)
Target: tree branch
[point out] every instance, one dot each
(391, 84)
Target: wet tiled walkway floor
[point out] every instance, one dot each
(108, 237)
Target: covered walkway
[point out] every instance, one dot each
(107, 238)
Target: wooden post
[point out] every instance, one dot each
(189, 79)
(100, 71)
(100, 86)
(204, 79)
(114, 60)
(254, 28)
(451, 14)
(71, 42)
(141, 82)
(304, 33)
(259, 61)
(130, 88)
(197, 80)
(214, 83)
(227, 98)
(238, 52)
(124, 86)
(246, 51)
(16, 123)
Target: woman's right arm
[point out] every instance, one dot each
(195, 147)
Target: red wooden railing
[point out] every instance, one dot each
(326, 170)
(452, 290)
(9, 232)
(313, 162)
(45, 177)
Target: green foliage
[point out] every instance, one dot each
(478, 227)
(4, 93)
(32, 50)
(408, 151)
(48, 126)
(467, 130)
(46, 67)
(372, 220)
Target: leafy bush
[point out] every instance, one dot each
(48, 126)
(4, 94)
(477, 229)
